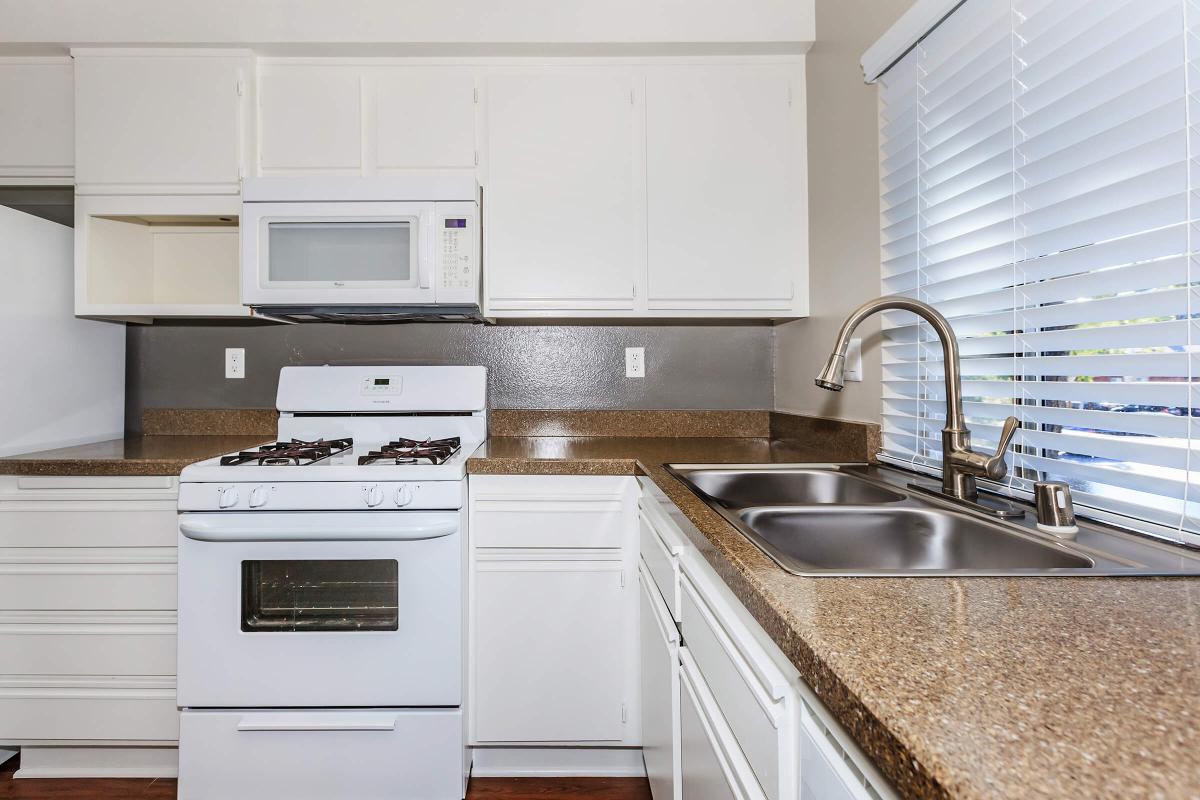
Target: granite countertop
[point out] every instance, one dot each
(955, 687)
(154, 454)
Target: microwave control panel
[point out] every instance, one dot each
(459, 242)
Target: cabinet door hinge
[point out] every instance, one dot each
(477, 158)
(475, 93)
(632, 102)
(241, 87)
(624, 713)
(622, 574)
(789, 93)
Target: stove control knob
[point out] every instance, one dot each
(373, 496)
(228, 497)
(258, 497)
(404, 495)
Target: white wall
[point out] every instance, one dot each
(63, 379)
(843, 193)
(413, 22)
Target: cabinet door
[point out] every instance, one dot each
(161, 122)
(660, 692)
(310, 119)
(563, 211)
(549, 651)
(725, 188)
(424, 119)
(707, 749)
(37, 117)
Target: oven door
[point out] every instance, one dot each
(344, 609)
(373, 253)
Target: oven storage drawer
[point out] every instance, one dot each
(549, 512)
(308, 755)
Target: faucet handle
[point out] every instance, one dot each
(996, 467)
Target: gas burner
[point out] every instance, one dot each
(297, 452)
(410, 451)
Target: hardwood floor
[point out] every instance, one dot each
(162, 789)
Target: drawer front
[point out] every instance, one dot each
(660, 693)
(86, 585)
(662, 564)
(758, 714)
(549, 512)
(57, 644)
(88, 524)
(711, 765)
(367, 754)
(88, 713)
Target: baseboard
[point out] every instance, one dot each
(557, 762)
(98, 762)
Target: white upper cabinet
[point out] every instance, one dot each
(37, 114)
(563, 201)
(424, 119)
(310, 120)
(328, 118)
(726, 190)
(161, 121)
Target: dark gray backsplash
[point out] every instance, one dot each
(722, 366)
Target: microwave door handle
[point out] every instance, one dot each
(427, 250)
(210, 531)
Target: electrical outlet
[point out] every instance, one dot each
(635, 362)
(853, 371)
(235, 362)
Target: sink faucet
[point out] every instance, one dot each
(960, 464)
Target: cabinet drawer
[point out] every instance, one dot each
(662, 564)
(88, 712)
(540, 512)
(757, 702)
(83, 581)
(88, 524)
(712, 767)
(660, 692)
(74, 643)
(304, 755)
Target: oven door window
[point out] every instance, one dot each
(343, 595)
(342, 252)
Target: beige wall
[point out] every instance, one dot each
(843, 166)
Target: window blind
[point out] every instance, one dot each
(1037, 187)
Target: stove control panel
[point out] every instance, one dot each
(324, 496)
(383, 385)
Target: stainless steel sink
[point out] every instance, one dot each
(862, 520)
(742, 488)
(898, 539)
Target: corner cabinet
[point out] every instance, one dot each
(162, 121)
(553, 648)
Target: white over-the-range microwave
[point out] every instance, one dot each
(362, 249)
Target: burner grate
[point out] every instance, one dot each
(410, 451)
(297, 452)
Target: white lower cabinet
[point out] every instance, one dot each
(88, 622)
(660, 692)
(553, 634)
(713, 767)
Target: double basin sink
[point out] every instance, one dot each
(861, 520)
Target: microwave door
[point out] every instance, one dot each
(339, 254)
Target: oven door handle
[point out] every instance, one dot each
(206, 531)
(323, 721)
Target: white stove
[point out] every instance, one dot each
(321, 583)
(354, 438)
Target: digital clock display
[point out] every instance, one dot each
(382, 381)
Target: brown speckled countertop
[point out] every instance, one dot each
(955, 687)
(134, 455)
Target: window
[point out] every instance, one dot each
(1039, 188)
